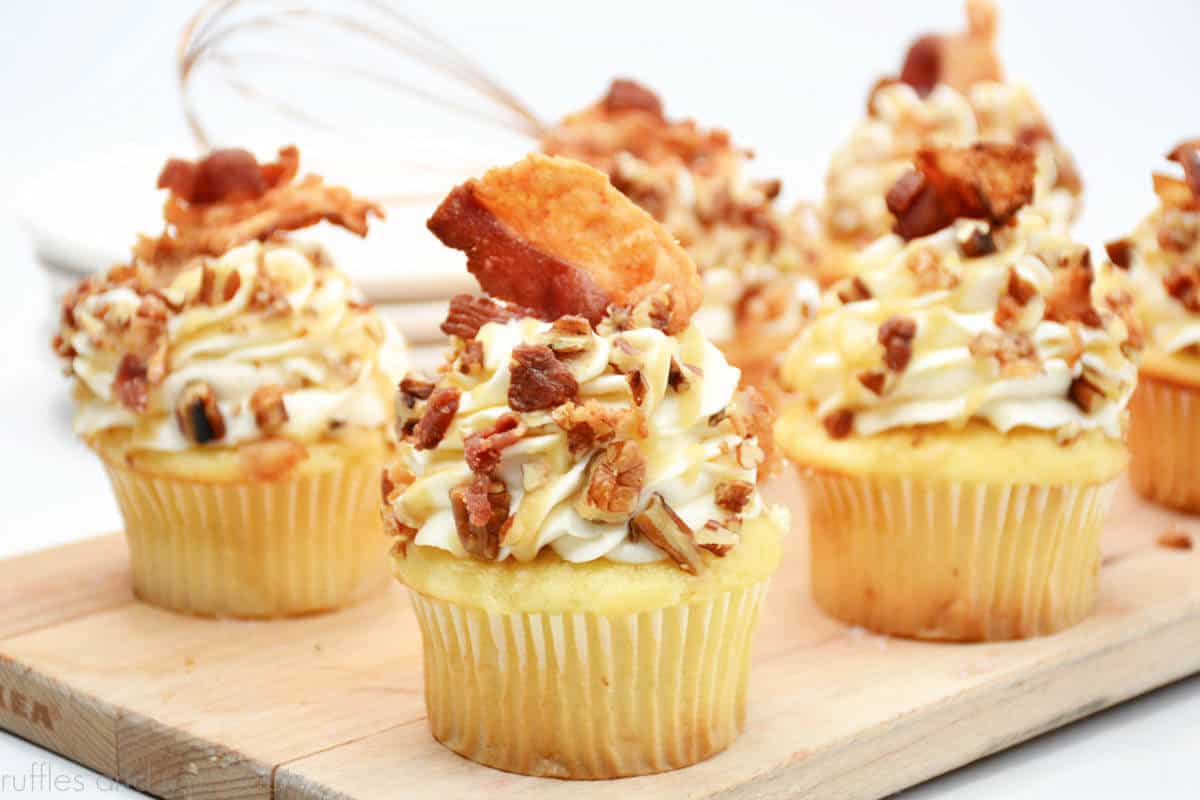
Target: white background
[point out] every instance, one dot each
(83, 85)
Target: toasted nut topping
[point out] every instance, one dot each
(754, 417)
(839, 424)
(569, 335)
(394, 480)
(1174, 539)
(979, 243)
(1182, 282)
(588, 425)
(637, 387)
(471, 360)
(1070, 299)
(1120, 252)
(197, 414)
(555, 236)
(269, 410)
(733, 496)
(614, 483)
(896, 335)
(853, 290)
(484, 449)
(439, 413)
(874, 380)
(1015, 352)
(716, 538)
(268, 459)
(480, 513)
(1187, 154)
(467, 314)
(958, 60)
(413, 390)
(1085, 394)
(1017, 294)
(539, 380)
(663, 528)
(131, 385)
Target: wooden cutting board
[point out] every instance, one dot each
(331, 706)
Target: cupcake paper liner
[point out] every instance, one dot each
(1164, 443)
(255, 549)
(587, 696)
(955, 561)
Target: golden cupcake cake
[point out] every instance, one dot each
(962, 403)
(1157, 270)
(575, 501)
(238, 390)
(950, 92)
(756, 260)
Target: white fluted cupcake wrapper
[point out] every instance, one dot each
(582, 695)
(1164, 443)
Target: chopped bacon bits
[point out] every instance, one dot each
(663, 528)
(1182, 282)
(626, 95)
(131, 387)
(614, 483)
(467, 314)
(221, 176)
(853, 290)
(539, 380)
(439, 413)
(1187, 154)
(269, 410)
(733, 496)
(1120, 252)
(987, 181)
(481, 510)
(269, 459)
(874, 381)
(485, 448)
(839, 424)
(197, 414)
(1070, 299)
(896, 335)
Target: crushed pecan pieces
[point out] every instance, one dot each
(1014, 352)
(269, 410)
(484, 449)
(896, 335)
(978, 243)
(1010, 308)
(271, 458)
(554, 235)
(838, 424)
(874, 380)
(1085, 394)
(614, 483)
(588, 425)
(754, 417)
(131, 386)
(733, 496)
(197, 414)
(1182, 282)
(1070, 299)
(480, 510)
(439, 413)
(1187, 155)
(626, 95)
(716, 538)
(1120, 252)
(468, 313)
(659, 524)
(853, 290)
(539, 380)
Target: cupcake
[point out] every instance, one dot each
(1157, 270)
(237, 389)
(960, 412)
(575, 501)
(754, 258)
(950, 92)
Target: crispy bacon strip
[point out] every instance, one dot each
(627, 95)
(958, 60)
(554, 235)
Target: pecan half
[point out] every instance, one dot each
(539, 380)
(439, 413)
(484, 449)
(568, 336)
(733, 496)
(663, 528)
(468, 313)
(269, 410)
(614, 483)
(896, 335)
(480, 511)
(197, 414)
(413, 390)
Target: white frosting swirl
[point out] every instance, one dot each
(687, 453)
(337, 360)
(944, 381)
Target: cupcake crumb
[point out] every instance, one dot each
(1175, 539)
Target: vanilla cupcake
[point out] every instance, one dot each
(1157, 270)
(575, 500)
(755, 259)
(950, 92)
(960, 414)
(238, 390)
